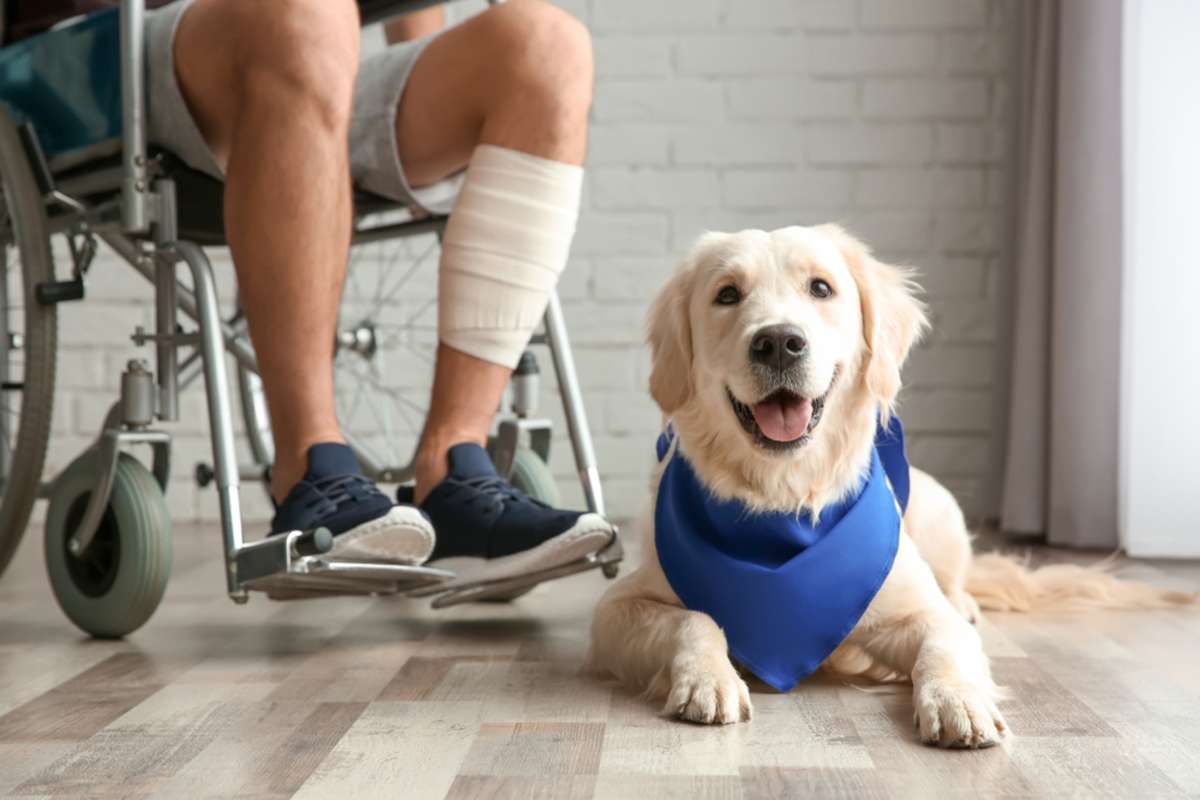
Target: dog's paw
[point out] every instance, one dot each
(957, 715)
(708, 691)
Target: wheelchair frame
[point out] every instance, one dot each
(140, 223)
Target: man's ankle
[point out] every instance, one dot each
(291, 466)
(432, 460)
(283, 477)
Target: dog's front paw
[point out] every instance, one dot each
(957, 715)
(707, 690)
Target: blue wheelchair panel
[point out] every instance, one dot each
(67, 82)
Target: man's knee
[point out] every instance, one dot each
(544, 55)
(308, 49)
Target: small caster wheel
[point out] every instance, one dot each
(531, 475)
(113, 587)
(611, 570)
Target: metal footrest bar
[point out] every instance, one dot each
(295, 565)
(317, 576)
(607, 559)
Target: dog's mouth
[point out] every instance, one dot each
(783, 420)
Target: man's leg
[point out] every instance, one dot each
(502, 98)
(520, 76)
(270, 87)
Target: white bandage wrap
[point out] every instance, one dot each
(504, 247)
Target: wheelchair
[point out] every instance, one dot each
(76, 170)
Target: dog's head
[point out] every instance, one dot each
(775, 353)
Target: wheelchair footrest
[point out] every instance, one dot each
(607, 559)
(318, 576)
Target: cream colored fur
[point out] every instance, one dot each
(918, 626)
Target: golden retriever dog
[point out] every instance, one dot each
(854, 320)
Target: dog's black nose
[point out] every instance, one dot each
(777, 346)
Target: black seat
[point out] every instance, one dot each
(200, 198)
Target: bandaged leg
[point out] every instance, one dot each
(502, 99)
(504, 248)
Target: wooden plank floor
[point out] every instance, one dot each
(355, 698)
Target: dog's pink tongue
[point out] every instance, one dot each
(783, 419)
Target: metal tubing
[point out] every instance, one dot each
(398, 229)
(98, 499)
(164, 293)
(256, 416)
(135, 210)
(186, 300)
(220, 420)
(166, 349)
(191, 369)
(568, 386)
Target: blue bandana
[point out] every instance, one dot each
(785, 591)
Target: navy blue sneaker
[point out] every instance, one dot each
(365, 523)
(487, 530)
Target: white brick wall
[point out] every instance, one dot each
(887, 115)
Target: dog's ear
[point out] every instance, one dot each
(894, 318)
(669, 333)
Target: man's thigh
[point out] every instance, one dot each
(442, 109)
(217, 46)
(522, 68)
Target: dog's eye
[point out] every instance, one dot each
(728, 296)
(820, 289)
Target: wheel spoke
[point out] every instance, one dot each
(416, 264)
(389, 428)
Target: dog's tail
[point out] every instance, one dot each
(1000, 582)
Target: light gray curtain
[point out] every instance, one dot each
(1060, 473)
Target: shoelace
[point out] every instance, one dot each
(340, 489)
(493, 491)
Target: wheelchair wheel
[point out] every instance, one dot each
(116, 584)
(28, 337)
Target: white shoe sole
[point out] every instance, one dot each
(590, 534)
(401, 536)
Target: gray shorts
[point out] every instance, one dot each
(374, 160)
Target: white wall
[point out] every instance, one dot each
(1159, 501)
(888, 115)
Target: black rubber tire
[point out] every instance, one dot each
(22, 204)
(116, 591)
